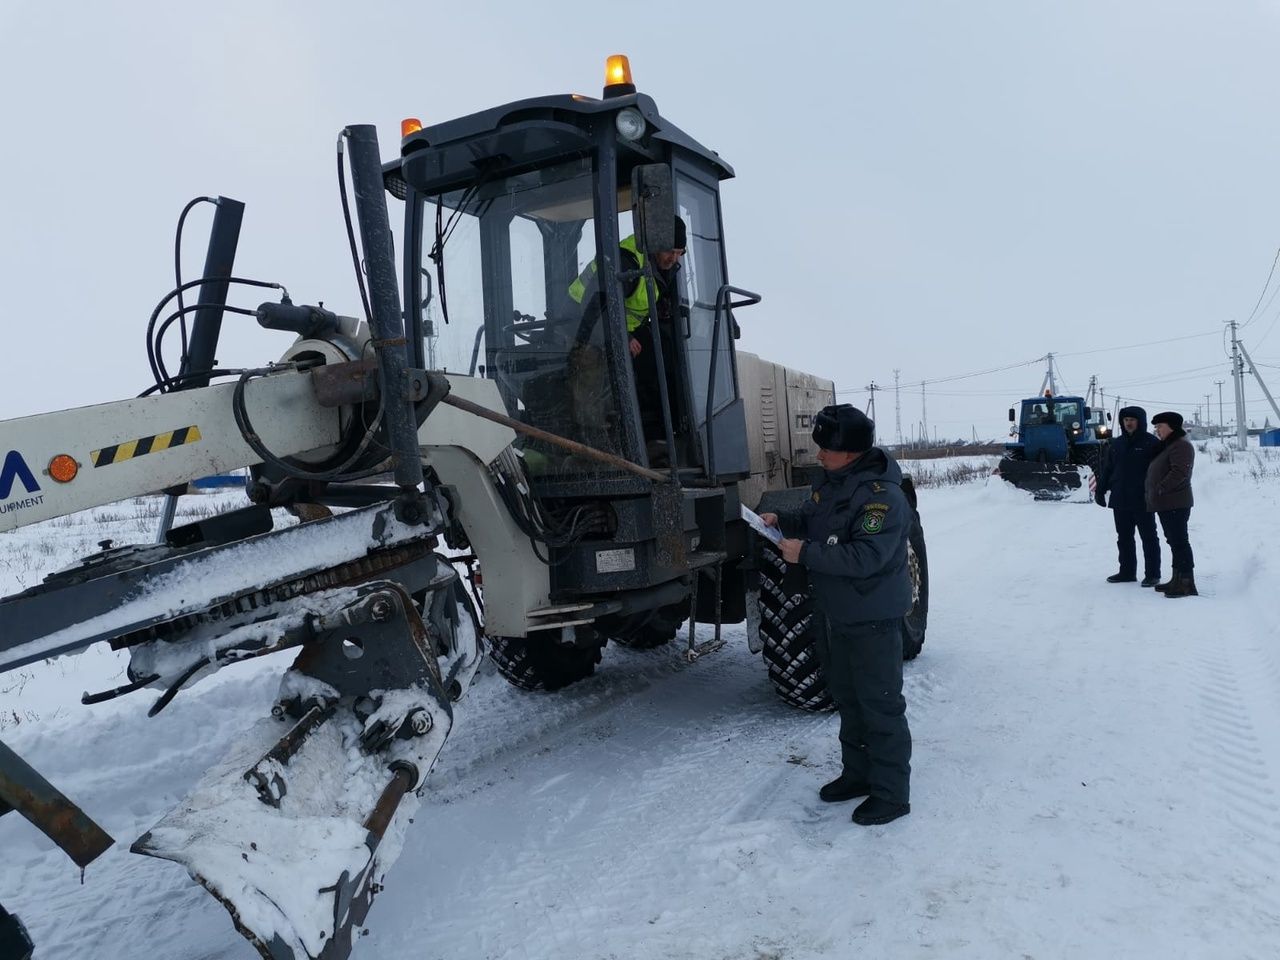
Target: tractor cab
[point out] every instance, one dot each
(1049, 427)
(541, 252)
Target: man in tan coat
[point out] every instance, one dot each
(1168, 492)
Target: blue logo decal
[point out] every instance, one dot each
(15, 468)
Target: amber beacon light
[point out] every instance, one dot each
(617, 77)
(409, 125)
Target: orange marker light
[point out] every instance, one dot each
(409, 125)
(617, 69)
(63, 468)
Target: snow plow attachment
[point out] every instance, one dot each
(1045, 481)
(293, 829)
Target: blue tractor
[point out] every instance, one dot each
(1056, 436)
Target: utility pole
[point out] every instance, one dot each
(1222, 424)
(1208, 412)
(1237, 374)
(897, 407)
(1048, 381)
(871, 404)
(924, 414)
(1262, 383)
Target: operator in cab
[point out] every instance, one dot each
(851, 537)
(666, 264)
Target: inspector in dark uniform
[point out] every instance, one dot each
(851, 537)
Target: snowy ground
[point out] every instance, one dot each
(1097, 774)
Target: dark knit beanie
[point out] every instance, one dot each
(845, 428)
(681, 235)
(1174, 420)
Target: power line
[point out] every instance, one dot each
(1184, 403)
(1026, 363)
(1137, 346)
(1270, 274)
(951, 379)
(1272, 325)
(1170, 377)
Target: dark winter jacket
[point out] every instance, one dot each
(1169, 476)
(855, 527)
(1124, 468)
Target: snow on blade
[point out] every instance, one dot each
(208, 576)
(276, 869)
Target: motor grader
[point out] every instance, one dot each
(471, 469)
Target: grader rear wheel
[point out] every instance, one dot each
(916, 621)
(788, 624)
(543, 662)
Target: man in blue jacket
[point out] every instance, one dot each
(1124, 474)
(851, 537)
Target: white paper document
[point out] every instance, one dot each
(758, 525)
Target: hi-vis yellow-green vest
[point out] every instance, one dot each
(636, 302)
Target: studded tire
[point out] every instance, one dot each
(916, 621)
(542, 662)
(786, 625)
(788, 629)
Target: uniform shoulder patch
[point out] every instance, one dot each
(877, 507)
(872, 521)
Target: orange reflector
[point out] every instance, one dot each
(63, 468)
(617, 69)
(409, 125)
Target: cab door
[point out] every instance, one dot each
(716, 412)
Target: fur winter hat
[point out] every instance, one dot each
(1174, 420)
(845, 428)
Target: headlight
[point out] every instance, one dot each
(1075, 425)
(630, 124)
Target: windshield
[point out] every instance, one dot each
(1051, 411)
(1066, 412)
(512, 249)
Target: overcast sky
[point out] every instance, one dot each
(933, 187)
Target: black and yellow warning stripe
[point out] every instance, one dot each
(121, 452)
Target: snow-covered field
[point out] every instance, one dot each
(1097, 774)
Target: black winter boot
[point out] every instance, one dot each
(1122, 578)
(843, 788)
(874, 811)
(1183, 586)
(1173, 578)
(1150, 581)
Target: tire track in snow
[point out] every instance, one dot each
(629, 785)
(1241, 772)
